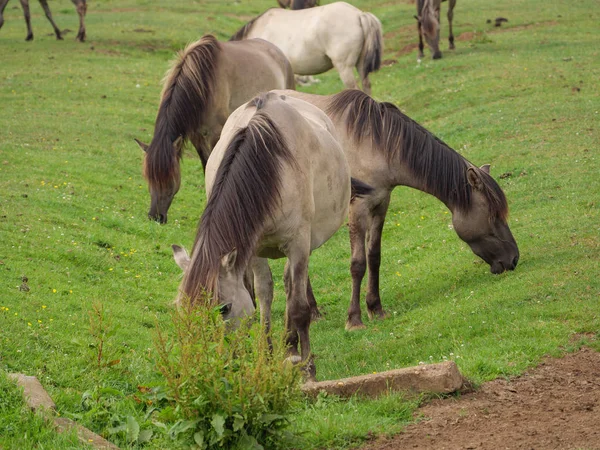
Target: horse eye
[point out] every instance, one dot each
(225, 309)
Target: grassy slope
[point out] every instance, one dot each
(73, 204)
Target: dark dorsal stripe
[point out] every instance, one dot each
(441, 169)
(243, 32)
(187, 92)
(245, 192)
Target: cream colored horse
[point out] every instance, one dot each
(278, 185)
(205, 84)
(318, 39)
(386, 149)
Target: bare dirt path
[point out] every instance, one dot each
(554, 406)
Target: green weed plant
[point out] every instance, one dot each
(227, 388)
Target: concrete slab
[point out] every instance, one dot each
(85, 436)
(442, 378)
(36, 396)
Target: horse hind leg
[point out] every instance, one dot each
(451, 5)
(44, 4)
(347, 75)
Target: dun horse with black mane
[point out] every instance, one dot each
(278, 185)
(81, 6)
(205, 84)
(385, 149)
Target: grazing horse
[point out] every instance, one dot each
(208, 81)
(317, 39)
(298, 4)
(428, 25)
(385, 149)
(81, 6)
(278, 185)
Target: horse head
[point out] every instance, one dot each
(483, 226)
(234, 298)
(429, 20)
(162, 189)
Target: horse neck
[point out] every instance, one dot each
(446, 165)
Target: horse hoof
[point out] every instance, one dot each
(437, 55)
(379, 314)
(355, 325)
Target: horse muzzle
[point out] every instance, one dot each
(160, 218)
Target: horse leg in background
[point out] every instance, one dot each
(25, 6)
(421, 47)
(358, 264)
(292, 333)
(451, 5)
(374, 308)
(263, 287)
(3, 4)
(366, 84)
(312, 302)
(81, 6)
(44, 4)
(347, 75)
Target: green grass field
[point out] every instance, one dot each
(524, 97)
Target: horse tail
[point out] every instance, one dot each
(370, 56)
(187, 92)
(359, 189)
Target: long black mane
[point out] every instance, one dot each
(187, 92)
(404, 141)
(246, 190)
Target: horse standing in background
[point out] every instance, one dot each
(278, 185)
(385, 149)
(298, 4)
(318, 39)
(81, 6)
(208, 80)
(428, 25)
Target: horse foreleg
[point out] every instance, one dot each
(421, 46)
(358, 265)
(298, 309)
(44, 4)
(81, 6)
(451, 5)
(263, 286)
(374, 308)
(25, 6)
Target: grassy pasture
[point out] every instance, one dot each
(524, 97)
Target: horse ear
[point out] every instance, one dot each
(486, 168)
(141, 144)
(177, 143)
(181, 257)
(474, 179)
(228, 260)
